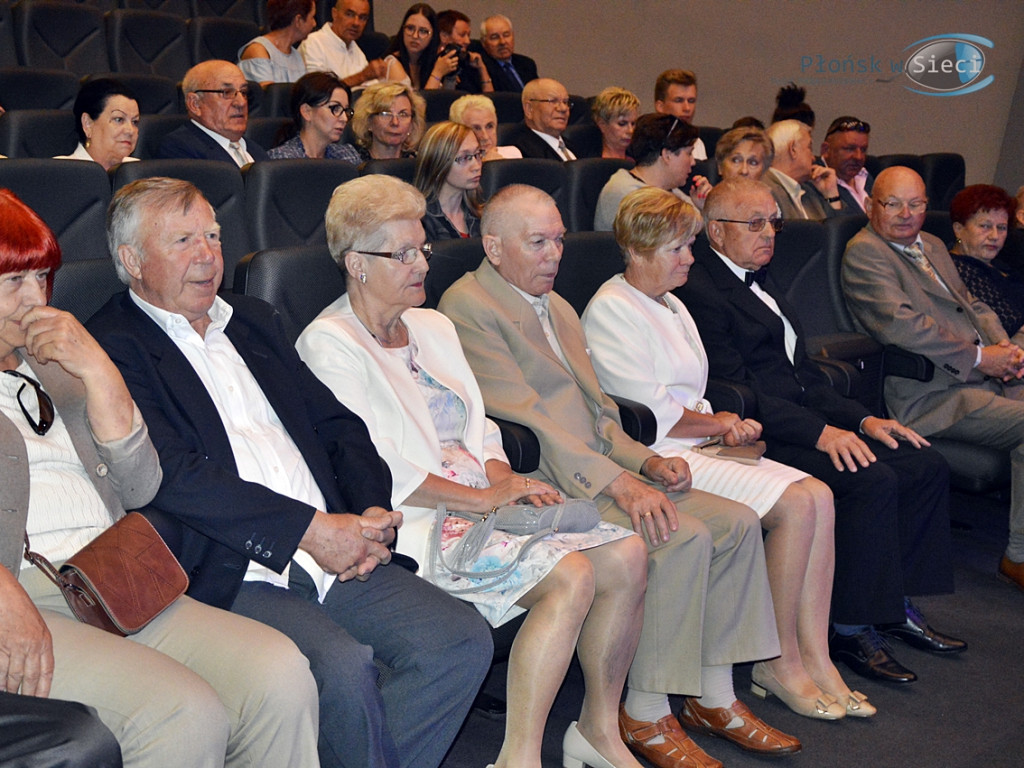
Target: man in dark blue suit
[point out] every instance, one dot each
(276, 492)
(892, 519)
(509, 70)
(217, 100)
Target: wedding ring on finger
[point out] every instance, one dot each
(646, 514)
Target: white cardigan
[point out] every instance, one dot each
(376, 385)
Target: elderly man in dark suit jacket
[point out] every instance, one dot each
(892, 521)
(903, 289)
(509, 71)
(802, 189)
(283, 502)
(546, 108)
(216, 97)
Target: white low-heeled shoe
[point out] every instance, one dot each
(577, 751)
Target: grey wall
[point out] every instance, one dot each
(743, 50)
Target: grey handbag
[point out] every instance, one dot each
(569, 516)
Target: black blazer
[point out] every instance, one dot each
(744, 343)
(524, 66)
(227, 521)
(189, 141)
(532, 145)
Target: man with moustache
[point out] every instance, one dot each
(845, 148)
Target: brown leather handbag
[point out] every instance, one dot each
(121, 580)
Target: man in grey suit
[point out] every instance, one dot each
(903, 289)
(802, 189)
(708, 604)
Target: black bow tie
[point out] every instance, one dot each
(757, 276)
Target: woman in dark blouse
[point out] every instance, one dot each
(981, 214)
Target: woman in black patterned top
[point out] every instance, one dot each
(981, 214)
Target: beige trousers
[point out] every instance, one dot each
(198, 686)
(708, 600)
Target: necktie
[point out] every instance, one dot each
(916, 255)
(564, 150)
(512, 74)
(757, 276)
(237, 153)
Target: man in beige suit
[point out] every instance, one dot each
(708, 604)
(903, 289)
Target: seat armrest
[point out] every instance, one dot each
(637, 420)
(731, 396)
(897, 361)
(520, 444)
(845, 378)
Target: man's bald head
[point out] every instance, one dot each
(897, 205)
(546, 106)
(522, 237)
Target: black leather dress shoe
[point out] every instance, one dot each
(916, 632)
(867, 654)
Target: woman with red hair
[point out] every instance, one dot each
(981, 216)
(74, 455)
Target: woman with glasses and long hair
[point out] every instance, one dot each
(75, 454)
(389, 121)
(448, 171)
(320, 112)
(414, 55)
(402, 370)
(662, 146)
(665, 367)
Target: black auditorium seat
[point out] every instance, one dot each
(156, 94)
(549, 175)
(299, 280)
(402, 168)
(247, 10)
(177, 7)
(71, 196)
(37, 133)
(220, 183)
(585, 139)
(152, 129)
(450, 261)
(30, 88)
(82, 287)
(210, 37)
(59, 35)
(587, 177)
(286, 199)
(148, 42)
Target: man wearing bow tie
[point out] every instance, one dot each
(891, 493)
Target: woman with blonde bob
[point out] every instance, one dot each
(615, 112)
(664, 366)
(402, 370)
(448, 174)
(389, 121)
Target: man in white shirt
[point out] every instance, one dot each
(802, 189)
(333, 47)
(283, 501)
(845, 148)
(217, 100)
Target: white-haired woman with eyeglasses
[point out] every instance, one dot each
(402, 370)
